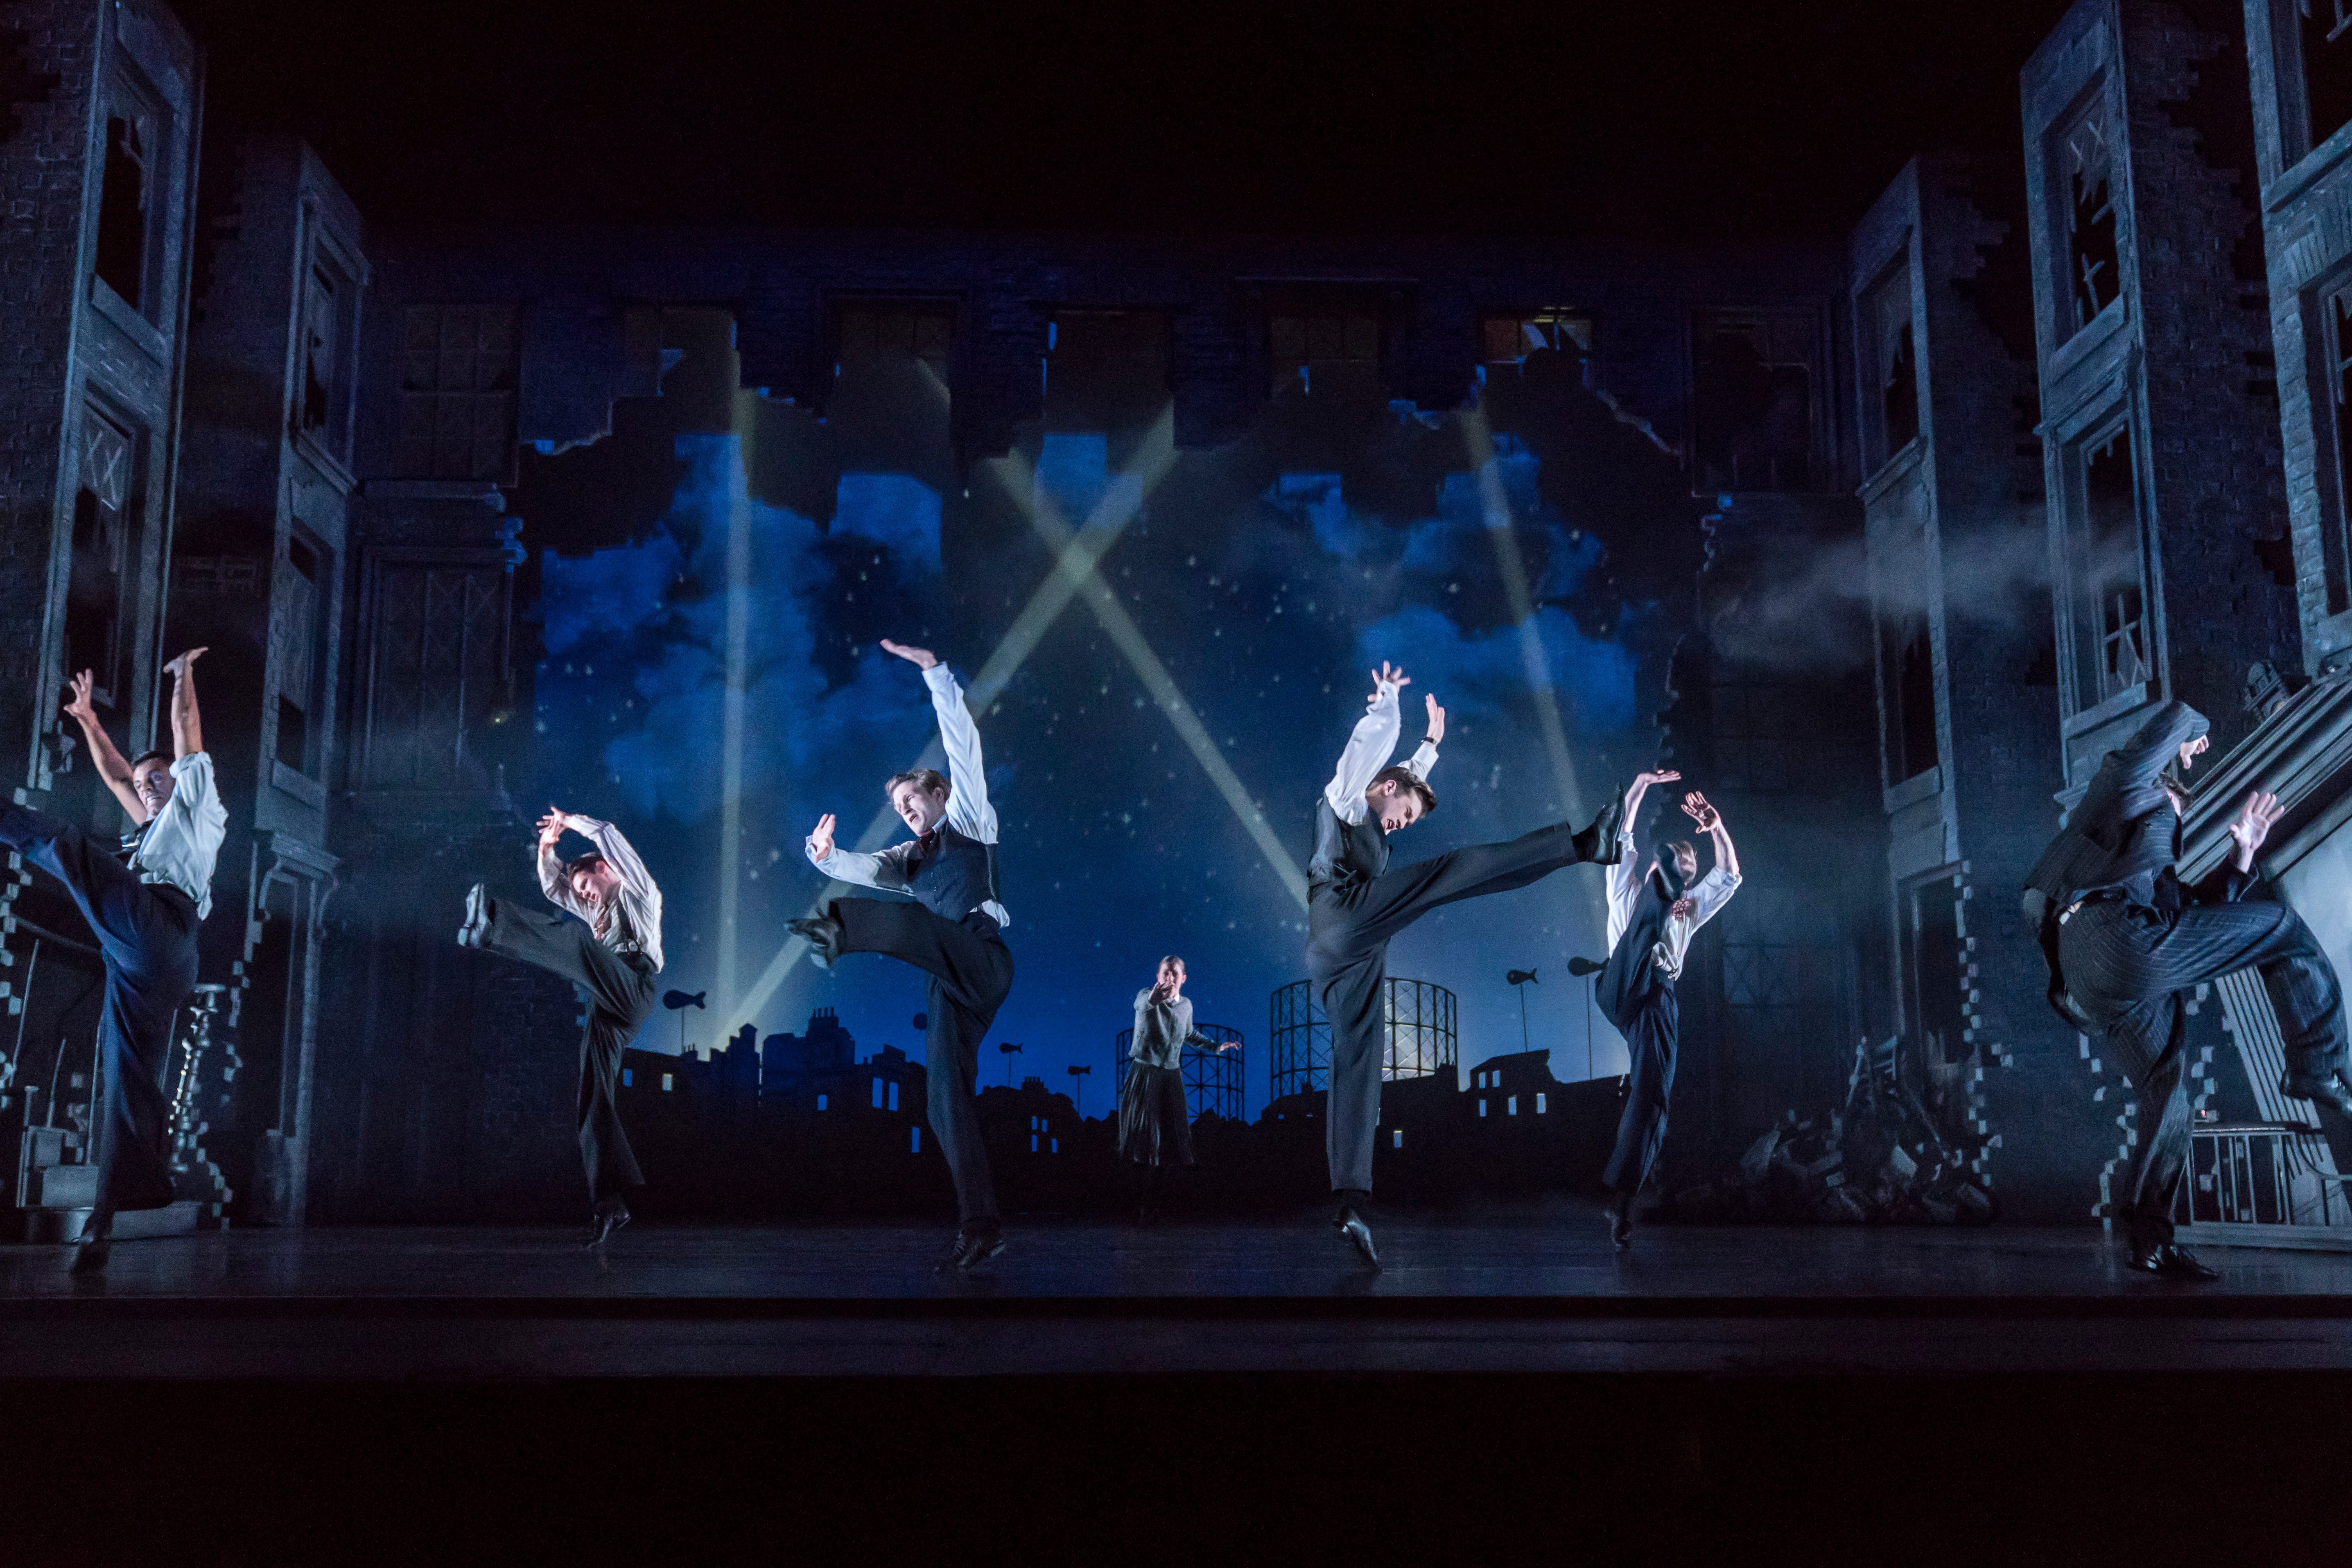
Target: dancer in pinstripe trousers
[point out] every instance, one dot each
(2123, 939)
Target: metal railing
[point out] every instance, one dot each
(1213, 1079)
(2259, 1173)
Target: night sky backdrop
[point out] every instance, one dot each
(1264, 590)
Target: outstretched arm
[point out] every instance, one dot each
(1425, 756)
(187, 725)
(1713, 891)
(969, 811)
(885, 871)
(102, 752)
(1710, 822)
(618, 853)
(551, 880)
(1369, 747)
(1625, 876)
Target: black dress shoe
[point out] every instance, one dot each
(1597, 844)
(974, 1244)
(611, 1214)
(1618, 1214)
(824, 934)
(478, 917)
(2328, 1089)
(96, 1241)
(2166, 1262)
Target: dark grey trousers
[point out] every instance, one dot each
(2127, 966)
(1347, 958)
(148, 935)
(971, 974)
(620, 989)
(1651, 1027)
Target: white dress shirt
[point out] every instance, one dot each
(180, 843)
(969, 812)
(631, 921)
(1706, 896)
(1367, 752)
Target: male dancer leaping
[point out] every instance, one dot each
(144, 914)
(1356, 904)
(2123, 939)
(613, 957)
(953, 934)
(1651, 920)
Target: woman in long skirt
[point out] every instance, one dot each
(1155, 1129)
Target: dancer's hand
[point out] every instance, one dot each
(2196, 748)
(551, 828)
(1658, 776)
(1436, 720)
(78, 701)
(2254, 824)
(1695, 807)
(920, 658)
(186, 661)
(1229, 1046)
(820, 843)
(1388, 679)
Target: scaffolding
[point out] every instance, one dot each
(1421, 1035)
(1213, 1079)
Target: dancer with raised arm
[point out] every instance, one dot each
(1356, 904)
(1653, 913)
(144, 908)
(612, 951)
(2123, 939)
(954, 932)
(1155, 1125)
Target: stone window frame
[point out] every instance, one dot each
(2118, 411)
(429, 408)
(2093, 110)
(330, 442)
(1898, 264)
(2327, 337)
(127, 86)
(2290, 94)
(1810, 321)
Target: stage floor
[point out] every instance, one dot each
(1075, 1297)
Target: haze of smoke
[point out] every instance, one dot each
(1808, 604)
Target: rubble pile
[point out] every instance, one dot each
(1885, 1159)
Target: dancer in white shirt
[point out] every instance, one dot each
(144, 914)
(1651, 920)
(1357, 903)
(612, 951)
(952, 932)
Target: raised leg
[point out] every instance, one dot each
(1397, 897)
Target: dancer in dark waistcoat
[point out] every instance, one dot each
(2123, 939)
(952, 932)
(143, 904)
(1650, 921)
(1357, 903)
(612, 953)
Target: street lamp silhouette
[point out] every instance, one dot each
(1519, 980)
(1078, 1089)
(1587, 966)
(679, 1002)
(1009, 1050)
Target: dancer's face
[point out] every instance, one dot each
(152, 781)
(595, 885)
(1394, 805)
(920, 808)
(1172, 976)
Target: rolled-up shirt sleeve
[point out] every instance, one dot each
(1370, 746)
